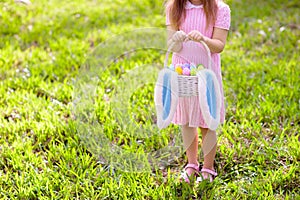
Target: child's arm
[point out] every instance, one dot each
(216, 44)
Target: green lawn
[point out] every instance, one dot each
(46, 153)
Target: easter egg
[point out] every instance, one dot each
(193, 72)
(200, 66)
(186, 65)
(186, 71)
(193, 66)
(177, 65)
(178, 69)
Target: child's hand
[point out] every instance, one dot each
(195, 35)
(179, 36)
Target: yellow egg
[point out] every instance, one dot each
(178, 69)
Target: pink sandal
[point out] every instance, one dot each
(186, 177)
(211, 174)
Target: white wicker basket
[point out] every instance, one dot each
(188, 85)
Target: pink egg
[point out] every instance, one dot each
(186, 71)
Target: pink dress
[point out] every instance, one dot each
(188, 110)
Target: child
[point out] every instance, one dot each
(197, 20)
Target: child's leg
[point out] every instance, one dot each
(209, 146)
(190, 142)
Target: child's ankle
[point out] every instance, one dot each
(194, 163)
(209, 167)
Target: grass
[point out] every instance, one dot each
(42, 51)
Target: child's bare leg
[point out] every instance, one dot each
(209, 146)
(190, 142)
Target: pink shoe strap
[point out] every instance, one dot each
(209, 171)
(193, 166)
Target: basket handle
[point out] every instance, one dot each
(203, 43)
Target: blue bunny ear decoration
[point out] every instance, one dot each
(209, 98)
(166, 97)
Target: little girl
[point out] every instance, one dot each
(197, 20)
